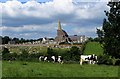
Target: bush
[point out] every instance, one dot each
(117, 62)
(106, 59)
(50, 52)
(7, 56)
(66, 56)
(75, 53)
(5, 51)
(24, 55)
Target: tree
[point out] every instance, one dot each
(1, 40)
(5, 51)
(5, 40)
(6, 54)
(90, 39)
(75, 53)
(109, 35)
(16, 40)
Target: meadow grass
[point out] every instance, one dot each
(93, 48)
(0, 68)
(37, 49)
(28, 48)
(45, 69)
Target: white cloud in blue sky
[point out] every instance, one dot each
(27, 0)
(34, 20)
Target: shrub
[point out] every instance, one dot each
(117, 62)
(106, 59)
(75, 53)
(24, 55)
(66, 56)
(51, 52)
(5, 51)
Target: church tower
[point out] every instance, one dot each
(59, 25)
(62, 36)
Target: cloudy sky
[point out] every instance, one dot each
(32, 19)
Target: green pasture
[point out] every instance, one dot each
(30, 49)
(45, 69)
(36, 49)
(0, 68)
(93, 48)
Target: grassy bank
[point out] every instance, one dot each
(93, 47)
(44, 69)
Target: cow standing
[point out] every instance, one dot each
(91, 59)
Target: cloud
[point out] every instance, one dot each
(30, 30)
(34, 17)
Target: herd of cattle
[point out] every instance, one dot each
(90, 59)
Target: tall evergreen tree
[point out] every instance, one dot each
(109, 35)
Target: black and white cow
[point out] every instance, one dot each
(41, 58)
(44, 58)
(93, 59)
(54, 59)
(90, 59)
(60, 59)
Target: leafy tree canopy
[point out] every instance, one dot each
(109, 35)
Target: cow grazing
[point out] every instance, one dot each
(41, 58)
(90, 59)
(47, 58)
(93, 59)
(54, 59)
(60, 59)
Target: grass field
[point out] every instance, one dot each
(44, 69)
(93, 47)
(19, 49)
(37, 49)
(0, 68)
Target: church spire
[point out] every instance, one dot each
(59, 25)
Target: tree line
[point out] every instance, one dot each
(6, 39)
(71, 55)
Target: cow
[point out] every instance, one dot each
(93, 59)
(90, 59)
(60, 59)
(47, 58)
(41, 58)
(54, 59)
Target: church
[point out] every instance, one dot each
(63, 37)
